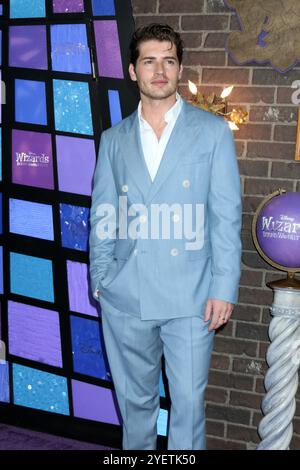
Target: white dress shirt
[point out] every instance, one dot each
(152, 147)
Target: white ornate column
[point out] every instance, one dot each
(283, 358)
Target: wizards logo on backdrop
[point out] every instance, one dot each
(269, 33)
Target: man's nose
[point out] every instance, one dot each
(159, 68)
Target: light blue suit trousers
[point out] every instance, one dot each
(134, 349)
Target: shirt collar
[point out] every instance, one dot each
(170, 116)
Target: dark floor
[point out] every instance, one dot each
(14, 438)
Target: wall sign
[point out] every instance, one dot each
(269, 33)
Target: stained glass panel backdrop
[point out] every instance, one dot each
(69, 48)
(31, 218)
(27, 8)
(74, 223)
(72, 107)
(103, 7)
(64, 66)
(68, 6)
(34, 333)
(30, 102)
(75, 156)
(28, 47)
(32, 159)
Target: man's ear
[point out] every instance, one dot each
(132, 72)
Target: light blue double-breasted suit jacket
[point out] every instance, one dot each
(157, 278)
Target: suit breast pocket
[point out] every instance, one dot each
(196, 159)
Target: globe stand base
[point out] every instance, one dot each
(288, 283)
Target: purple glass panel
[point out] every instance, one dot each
(27, 47)
(76, 157)
(68, 6)
(95, 403)
(32, 159)
(80, 297)
(108, 49)
(34, 333)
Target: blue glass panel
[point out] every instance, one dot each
(31, 276)
(0, 46)
(72, 109)
(30, 102)
(1, 9)
(161, 386)
(69, 48)
(114, 107)
(1, 270)
(103, 7)
(87, 348)
(4, 382)
(162, 422)
(31, 218)
(74, 221)
(27, 8)
(41, 390)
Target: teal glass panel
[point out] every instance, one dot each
(162, 422)
(40, 390)
(31, 276)
(27, 8)
(72, 108)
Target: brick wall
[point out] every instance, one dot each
(265, 151)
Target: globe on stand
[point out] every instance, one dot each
(276, 234)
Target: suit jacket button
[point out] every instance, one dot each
(186, 183)
(97, 293)
(174, 252)
(125, 188)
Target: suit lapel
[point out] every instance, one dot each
(134, 157)
(175, 148)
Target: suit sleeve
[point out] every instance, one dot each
(104, 196)
(224, 213)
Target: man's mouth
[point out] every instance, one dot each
(159, 82)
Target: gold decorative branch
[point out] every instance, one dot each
(218, 105)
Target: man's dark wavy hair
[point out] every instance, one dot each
(158, 32)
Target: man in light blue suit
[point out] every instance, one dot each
(164, 245)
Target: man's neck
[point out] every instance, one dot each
(153, 111)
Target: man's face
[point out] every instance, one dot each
(157, 71)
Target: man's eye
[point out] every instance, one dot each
(147, 62)
(171, 62)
